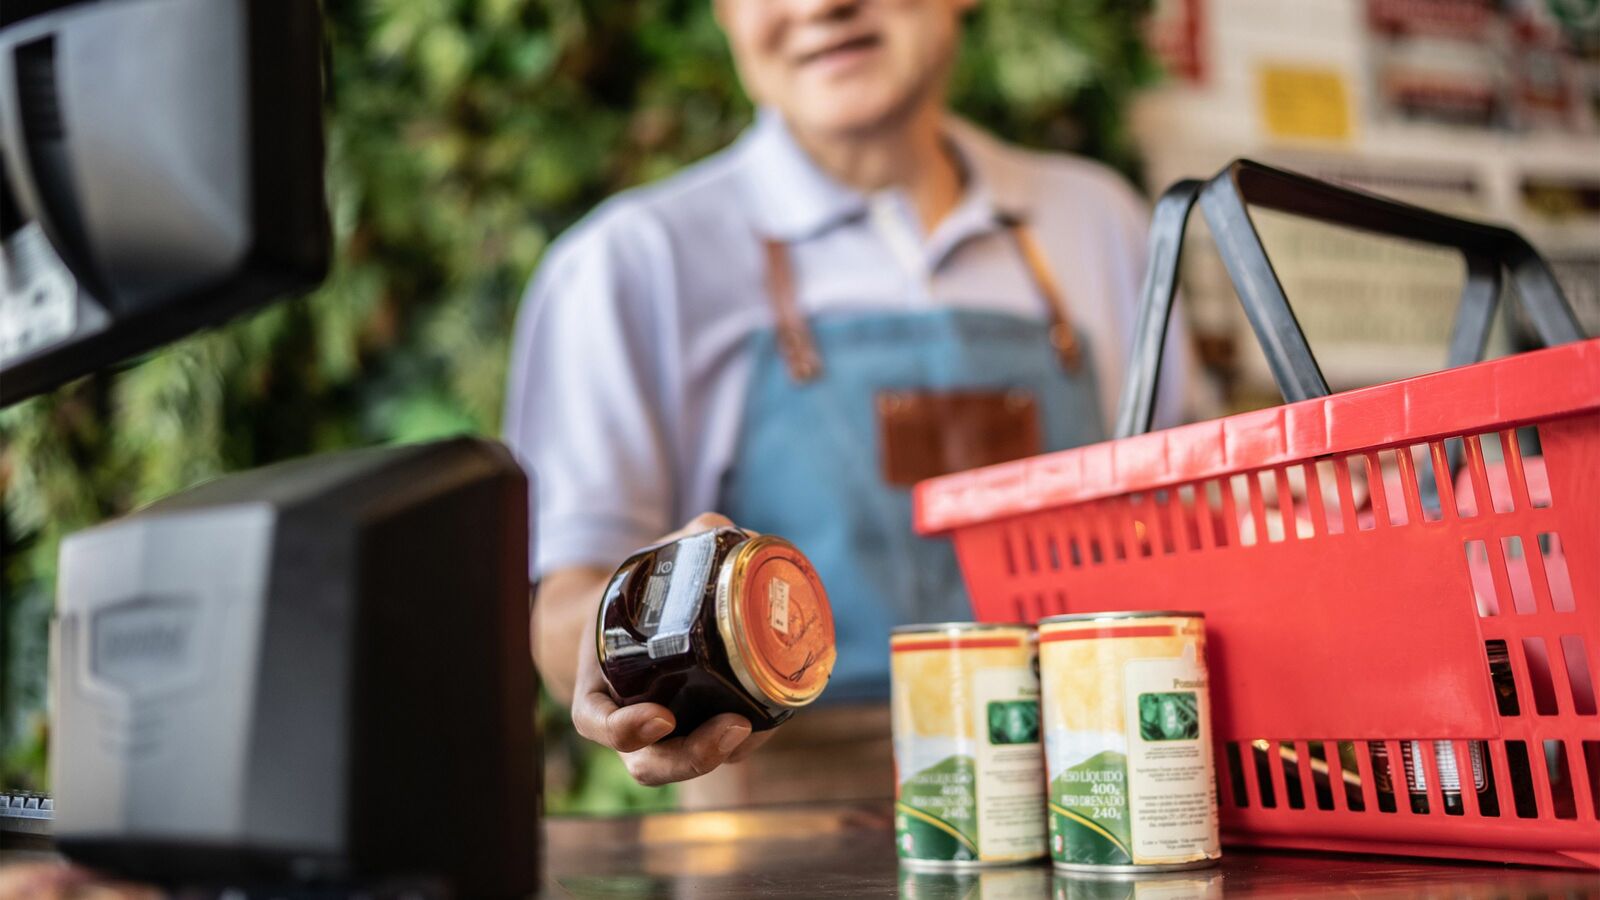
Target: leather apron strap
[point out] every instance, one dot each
(799, 348)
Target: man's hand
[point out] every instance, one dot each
(636, 731)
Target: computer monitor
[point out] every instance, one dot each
(316, 671)
(160, 171)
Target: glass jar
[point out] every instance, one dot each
(722, 621)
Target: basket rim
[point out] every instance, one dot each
(1495, 395)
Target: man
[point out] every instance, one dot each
(861, 292)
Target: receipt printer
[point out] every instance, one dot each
(315, 672)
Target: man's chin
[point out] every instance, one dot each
(845, 115)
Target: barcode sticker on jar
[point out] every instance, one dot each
(778, 605)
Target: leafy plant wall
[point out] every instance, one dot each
(463, 136)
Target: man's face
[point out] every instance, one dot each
(837, 67)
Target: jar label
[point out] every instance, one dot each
(778, 605)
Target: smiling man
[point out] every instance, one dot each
(861, 292)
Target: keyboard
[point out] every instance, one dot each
(25, 814)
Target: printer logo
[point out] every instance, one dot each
(144, 644)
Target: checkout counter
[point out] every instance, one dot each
(846, 851)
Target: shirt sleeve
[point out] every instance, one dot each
(588, 403)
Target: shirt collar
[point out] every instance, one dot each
(792, 199)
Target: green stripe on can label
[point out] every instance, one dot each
(1089, 812)
(936, 817)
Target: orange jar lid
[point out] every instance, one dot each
(775, 622)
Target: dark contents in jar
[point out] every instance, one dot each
(717, 622)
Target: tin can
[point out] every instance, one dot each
(969, 766)
(1127, 720)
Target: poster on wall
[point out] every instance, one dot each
(1438, 61)
(1175, 32)
(1525, 65)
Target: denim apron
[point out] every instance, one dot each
(807, 461)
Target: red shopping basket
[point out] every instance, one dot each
(1403, 661)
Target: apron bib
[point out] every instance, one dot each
(826, 396)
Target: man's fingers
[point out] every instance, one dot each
(622, 728)
(681, 759)
(638, 726)
(750, 745)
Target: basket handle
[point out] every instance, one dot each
(1486, 248)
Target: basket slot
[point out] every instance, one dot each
(1520, 676)
(1167, 529)
(1321, 785)
(1387, 508)
(1410, 488)
(1362, 500)
(1236, 511)
(1215, 523)
(1534, 477)
(1292, 756)
(1077, 555)
(1374, 765)
(1488, 798)
(1501, 678)
(1180, 521)
(1431, 799)
(1446, 464)
(1316, 501)
(1329, 501)
(1499, 476)
(1116, 528)
(1388, 774)
(1421, 482)
(1186, 509)
(1484, 596)
(1591, 768)
(1478, 479)
(1521, 776)
(1266, 788)
(1029, 557)
(1537, 655)
(1134, 520)
(1579, 678)
(1408, 777)
(1563, 800)
(1516, 474)
(1443, 484)
(1472, 782)
(1532, 567)
(1539, 764)
(1288, 516)
(1424, 468)
(1513, 551)
(1557, 579)
(1352, 778)
(1502, 579)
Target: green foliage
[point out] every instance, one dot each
(463, 135)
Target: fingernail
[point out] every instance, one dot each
(655, 728)
(732, 738)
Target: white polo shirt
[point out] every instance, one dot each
(630, 367)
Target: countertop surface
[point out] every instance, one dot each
(844, 851)
(847, 852)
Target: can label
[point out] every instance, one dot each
(1128, 741)
(968, 758)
